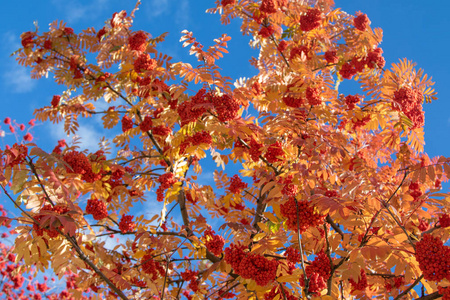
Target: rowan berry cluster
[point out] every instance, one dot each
(151, 266)
(55, 100)
(227, 2)
(201, 137)
(361, 284)
(293, 101)
(397, 282)
(190, 111)
(126, 224)
(293, 255)
(361, 22)
(433, 258)
(281, 294)
(161, 130)
(226, 106)
(137, 41)
(97, 208)
(357, 122)
(144, 63)
(414, 190)
(351, 100)
(236, 185)
(213, 242)
(444, 220)
(423, 225)
(299, 51)
(192, 277)
(313, 96)
(255, 150)
(445, 292)
(266, 31)
(311, 19)
(268, 6)
(80, 164)
(409, 101)
(307, 215)
(14, 155)
(51, 231)
(318, 273)
(166, 180)
(146, 124)
(331, 57)
(274, 153)
(127, 123)
(251, 266)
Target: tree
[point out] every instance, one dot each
(334, 198)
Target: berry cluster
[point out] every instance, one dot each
(151, 266)
(307, 215)
(166, 180)
(433, 258)
(226, 107)
(414, 190)
(293, 255)
(361, 22)
(190, 111)
(397, 282)
(266, 31)
(313, 96)
(161, 130)
(14, 155)
(331, 57)
(292, 101)
(445, 292)
(126, 224)
(137, 41)
(299, 51)
(51, 231)
(361, 284)
(351, 100)
(277, 291)
(318, 273)
(423, 225)
(251, 266)
(444, 220)
(236, 185)
(274, 153)
(192, 277)
(127, 123)
(361, 122)
(357, 65)
(146, 124)
(255, 150)
(144, 63)
(311, 20)
(96, 208)
(289, 188)
(410, 103)
(80, 164)
(268, 6)
(55, 100)
(213, 242)
(227, 2)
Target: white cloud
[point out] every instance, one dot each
(90, 137)
(158, 7)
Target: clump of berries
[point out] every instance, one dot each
(213, 242)
(137, 41)
(96, 208)
(414, 190)
(318, 273)
(444, 220)
(351, 101)
(274, 153)
(279, 291)
(361, 22)
(433, 258)
(80, 164)
(166, 180)
(126, 224)
(251, 266)
(361, 284)
(192, 277)
(151, 266)
(409, 101)
(307, 215)
(144, 63)
(127, 123)
(311, 19)
(236, 185)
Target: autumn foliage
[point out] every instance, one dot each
(320, 193)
